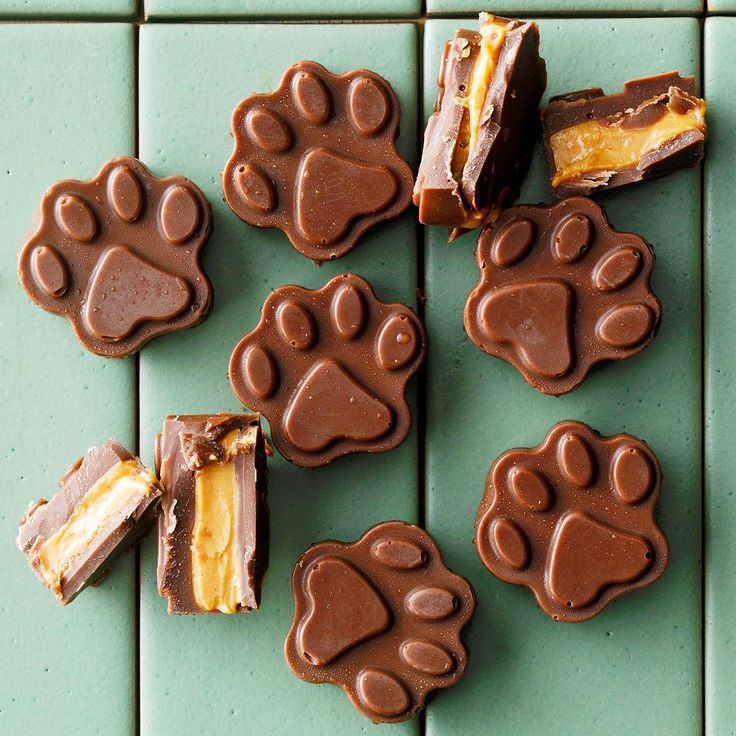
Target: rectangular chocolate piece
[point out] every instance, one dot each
(106, 503)
(595, 141)
(213, 525)
(479, 139)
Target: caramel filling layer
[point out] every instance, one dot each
(493, 36)
(594, 146)
(216, 569)
(122, 487)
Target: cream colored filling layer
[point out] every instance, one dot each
(593, 147)
(216, 573)
(123, 486)
(493, 35)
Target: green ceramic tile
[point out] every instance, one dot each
(31, 9)
(635, 669)
(67, 93)
(720, 389)
(566, 7)
(282, 8)
(208, 674)
(721, 6)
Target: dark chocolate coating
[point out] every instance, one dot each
(381, 618)
(44, 518)
(317, 159)
(572, 519)
(328, 368)
(644, 96)
(187, 444)
(560, 290)
(496, 167)
(118, 256)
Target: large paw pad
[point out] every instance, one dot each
(329, 368)
(118, 256)
(573, 520)
(381, 618)
(316, 158)
(560, 291)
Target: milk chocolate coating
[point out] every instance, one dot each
(381, 618)
(647, 96)
(44, 518)
(118, 256)
(572, 519)
(496, 167)
(328, 369)
(317, 159)
(560, 290)
(187, 444)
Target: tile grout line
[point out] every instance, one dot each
(137, 399)
(421, 303)
(703, 407)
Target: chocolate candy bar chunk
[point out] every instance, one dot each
(118, 256)
(560, 290)
(213, 525)
(595, 141)
(105, 504)
(328, 368)
(572, 519)
(480, 137)
(381, 618)
(317, 159)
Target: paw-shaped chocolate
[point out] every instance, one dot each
(560, 290)
(381, 618)
(118, 256)
(317, 159)
(573, 520)
(328, 368)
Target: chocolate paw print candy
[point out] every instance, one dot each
(595, 141)
(573, 520)
(381, 618)
(317, 159)
(328, 368)
(118, 256)
(560, 290)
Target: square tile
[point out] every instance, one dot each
(720, 388)
(636, 668)
(227, 673)
(67, 94)
(281, 8)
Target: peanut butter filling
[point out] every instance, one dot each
(596, 146)
(216, 574)
(123, 486)
(493, 35)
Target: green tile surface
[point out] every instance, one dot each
(720, 414)
(67, 93)
(721, 6)
(635, 669)
(220, 674)
(31, 9)
(567, 7)
(281, 8)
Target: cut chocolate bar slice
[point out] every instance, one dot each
(213, 526)
(595, 141)
(106, 503)
(479, 138)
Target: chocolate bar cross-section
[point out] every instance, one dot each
(106, 503)
(213, 526)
